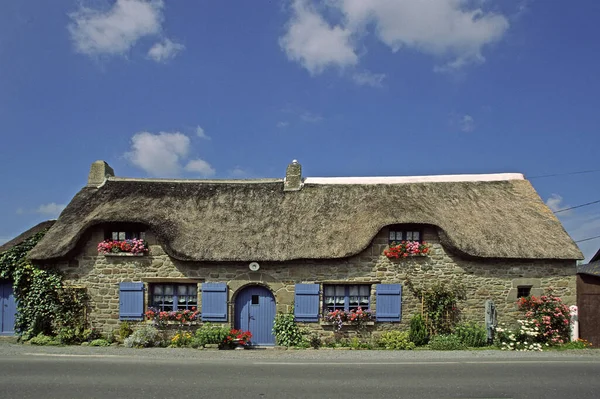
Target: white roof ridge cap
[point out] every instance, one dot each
(415, 179)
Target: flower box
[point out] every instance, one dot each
(131, 247)
(347, 323)
(404, 249)
(115, 254)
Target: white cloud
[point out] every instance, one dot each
(555, 202)
(165, 50)
(201, 133)
(159, 154)
(238, 173)
(467, 123)
(282, 124)
(201, 167)
(453, 31)
(164, 154)
(116, 30)
(367, 78)
(314, 43)
(310, 117)
(51, 209)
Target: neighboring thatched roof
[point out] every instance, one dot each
(595, 257)
(28, 234)
(592, 268)
(254, 220)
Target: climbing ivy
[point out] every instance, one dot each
(44, 304)
(439, 305)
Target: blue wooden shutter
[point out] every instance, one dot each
(214, 302)
(389, 302)
(131, 301)
(306, 302)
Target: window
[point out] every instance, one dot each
(346, 297)
(168, 297)
(125, 235)
(523, 291)
(397, 235)
(124, 231)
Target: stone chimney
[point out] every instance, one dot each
(293, 177)
(99, 171)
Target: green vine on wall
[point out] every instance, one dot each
(439, 305)
(44, 304)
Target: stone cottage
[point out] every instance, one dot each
(242, 250)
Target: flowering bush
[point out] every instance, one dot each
(358, 316)
(405, 249)
(161, 318)
(238, 336)
(525, 338)
(550, 315)
(182, 338)
(134, 246)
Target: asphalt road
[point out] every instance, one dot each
(29, 372)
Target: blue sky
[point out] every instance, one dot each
(196, 89)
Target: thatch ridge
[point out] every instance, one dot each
(27, 234)
(225, 221)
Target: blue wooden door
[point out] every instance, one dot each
(255, 312)
(8, 308)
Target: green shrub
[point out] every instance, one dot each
(315, 341)
(448, 342)
(287, 332)
(145, 337)
(99, 342)
(44, 340)
(471, 334)
(125, 330)
(418, 331)
(209, 334)
(397, 340)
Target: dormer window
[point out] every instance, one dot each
(126, 235)
(125, 231)
(399, 234)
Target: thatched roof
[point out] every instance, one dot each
(592, 269)
(26, 235)
(596, 257)
(254, 220)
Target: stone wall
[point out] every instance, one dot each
(484, 279)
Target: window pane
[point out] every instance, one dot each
(409, 235)
(329, 291)
(193, 289)
(416, 236)
(158, 290)
(157, 301)
(353, 301)
(168, 290)
(392, 236)
(353, 290)
(192, 300)
(399, 236)
(121, 236)
(143, 235)
(364, 290)
(340, 290)
(115, 235)
(181, 290)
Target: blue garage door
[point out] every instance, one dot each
(255, 312)
(8, 308)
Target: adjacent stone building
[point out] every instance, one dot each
(242, 250)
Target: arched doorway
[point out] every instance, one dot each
(255, 312)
